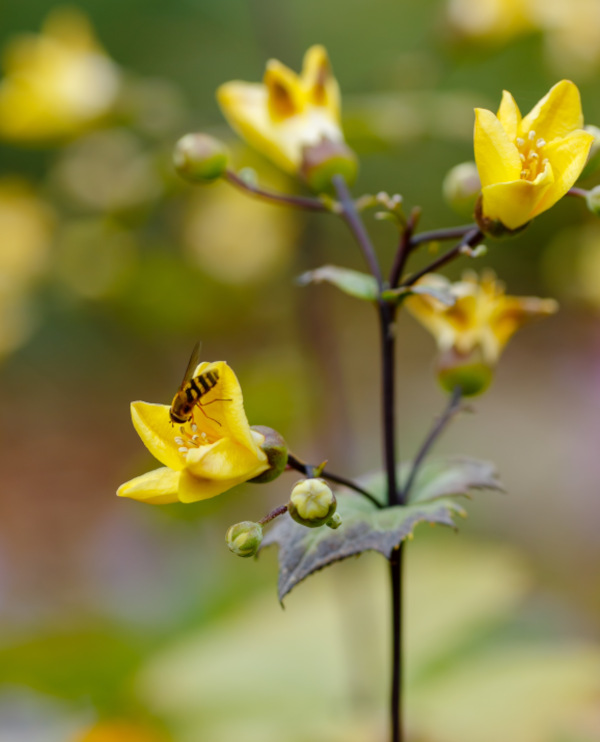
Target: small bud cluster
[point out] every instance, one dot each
(312, 503)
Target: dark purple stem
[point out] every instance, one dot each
(273, 514)
(298, 202)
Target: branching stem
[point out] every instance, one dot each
(298, 202)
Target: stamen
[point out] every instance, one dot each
(179, 441)
(194, 427)
(524, 173)
(532, 156)
(522, 156)
(531, 135)
(520, 141)
(182, 430)
(203, 435)
(540, 143)
(545, 161)
(183, 449)
(195, 437)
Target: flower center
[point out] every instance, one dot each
(191, 438)
(531, 154)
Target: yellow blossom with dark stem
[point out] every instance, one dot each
(210, 454)
(472, 333)
(57, 83)
(292, 119)
(526, 164)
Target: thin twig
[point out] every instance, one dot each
(352, 218)
(280, 510)
(579, 192)
(439, 425)
(308, 469)
(471, 239)
(440, 235)
(298, 202)
(405, 247)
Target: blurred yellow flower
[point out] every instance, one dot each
(527, 164)
(119, 731)
(289, 117)
(57, 83)
(482, 317)
(490, 19)
(27, 227)
(207, 456)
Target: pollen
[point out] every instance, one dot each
(529, 155)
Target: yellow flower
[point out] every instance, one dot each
(57, 83)
(527, 164)
(472, 333)
(490, 19)
(205, 457)
(290, 118)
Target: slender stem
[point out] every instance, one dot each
(396, 689)
(579, 192)
(439, 235)
(298, 202)
(454, 406)
(405, 248)
(352, 218)
(273, 514)
(308, 471)
(387, 315)
(471, 239)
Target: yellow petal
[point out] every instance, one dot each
(557, 114)
(154, 427)
(509, 115)
(513, 312)
(567, 157)
(193, 489)
(158, 487)
(225, 459)
(245, 106)
(319, 82)
(496, 155)
(224, 404)
(513, 203)
(284, 93)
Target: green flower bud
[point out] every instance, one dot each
(461, 188)
(277, 454)
(200, 158)
(593, 161)
(592, 199)
(320, 162)
(335, 521)
(470, 372)
(312, 503)
(244, 538)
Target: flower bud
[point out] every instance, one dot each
(467, 371)
(244, 538)
(593, 161)
(312, 503)
(320, 162)
(461, 188)
(592, 199)
(277, 454)
(200, 158)
(334, 522)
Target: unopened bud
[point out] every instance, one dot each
(312, 503)
(593, 161)
(320, 162)
(335, 521)
(277, 454)
(200, 158)
(592, 199)
(461, 188)
(244, 538)
(469, 371)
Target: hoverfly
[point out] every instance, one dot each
(191, 391)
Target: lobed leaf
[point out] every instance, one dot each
(303, 551)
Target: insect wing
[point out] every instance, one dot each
(192, 363)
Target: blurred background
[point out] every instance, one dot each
(127, 623)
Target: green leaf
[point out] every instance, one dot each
(303, 551)
(453, 476)
(357, 284)
(400, 294)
